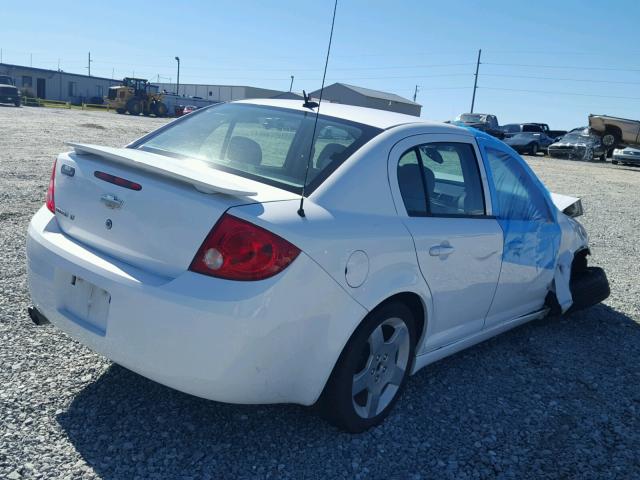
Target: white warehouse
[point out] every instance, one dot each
(57, 85)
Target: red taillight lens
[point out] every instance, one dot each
(238, 250)
(121, 182)
(51, 202)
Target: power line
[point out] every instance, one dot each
(559, 93)
(567, 67)
(586, 80)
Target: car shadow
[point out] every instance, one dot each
(543, 395)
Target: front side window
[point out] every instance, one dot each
(267, 144)
(518, 196)
(449, 180)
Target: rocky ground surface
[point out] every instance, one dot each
(557, 398)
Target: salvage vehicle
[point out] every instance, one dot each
(9, 93)
(320, 264)
(512, 128)
(481, 121)
(529, 142)
(578, 144)
(626, 156)
(527, 137)
(555, 134)
(614, 131)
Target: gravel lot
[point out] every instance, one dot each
(557, 398)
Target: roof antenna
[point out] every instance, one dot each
(311, 105)
(307, 101)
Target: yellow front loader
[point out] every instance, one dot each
(136, 96)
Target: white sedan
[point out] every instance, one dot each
(187, 258)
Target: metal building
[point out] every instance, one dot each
(57, 85)
(366, 97)
(218, 93)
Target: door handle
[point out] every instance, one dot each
(441, 250)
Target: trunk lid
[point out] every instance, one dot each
(158, 228)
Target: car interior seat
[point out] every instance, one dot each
(244, 150)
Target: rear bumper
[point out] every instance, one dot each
(271, 341)
(635, 159)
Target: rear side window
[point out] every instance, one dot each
(446, 176)
(519, 198)
(267, 144)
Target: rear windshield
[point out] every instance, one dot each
(267, 144)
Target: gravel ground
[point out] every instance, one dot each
(557, 398)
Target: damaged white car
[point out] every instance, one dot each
(188, 258)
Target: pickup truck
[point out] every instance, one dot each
(9, 93)
(614, 131)
(481, 121)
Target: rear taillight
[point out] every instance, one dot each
(51, 202)
(238, 250)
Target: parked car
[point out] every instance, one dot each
(578, 144)
(533, 127)
(555, 134)
(481, 121)
(615, 131)
(274, 277)
(9, 93)
(189, 109)
(627, 156)
(529, 142)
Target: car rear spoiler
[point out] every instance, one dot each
(570, 206)
(193, 172)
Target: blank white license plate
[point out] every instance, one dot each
(88, 303)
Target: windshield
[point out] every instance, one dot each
(472, 118)
(6, 80)
(267, 144)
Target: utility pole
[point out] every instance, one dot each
(178, 80)
(475, 82)
(89, 64)
(291, 84)
(415, 93)
(58, 64)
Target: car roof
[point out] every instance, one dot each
(367, 116)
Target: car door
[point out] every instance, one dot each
(531, 235)
(440, 191)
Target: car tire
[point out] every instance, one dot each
(375, 364)
(121, 110)
(534, 149)
(589, 286)
(17, 103)
(615, 162)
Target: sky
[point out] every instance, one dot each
(542, 61)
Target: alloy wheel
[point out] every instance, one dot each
(385, 361)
